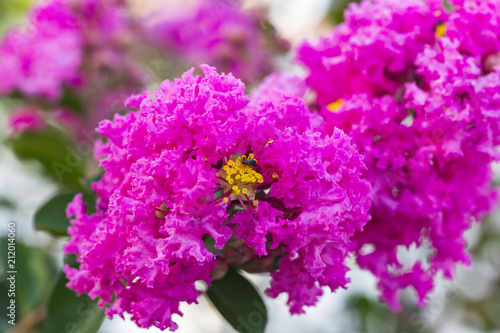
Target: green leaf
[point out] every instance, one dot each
(51, 216)
(70, 260)
(11, 13)
(67, 312)
(55, 151)
(71, 101)
(238, 302)
(447, 6)
(7, 203)
(336, 12)
(87, 183)
(209, 243)
(35, 272)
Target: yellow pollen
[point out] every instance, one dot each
(440, 31)
(270, 141)
(274, 175)
(225, 200)
(240, 178)
(334, 106)
(255, 203)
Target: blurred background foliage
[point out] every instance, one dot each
(45, 305)
(11, 12)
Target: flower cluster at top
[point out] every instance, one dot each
(31, 60)
(47, 55)
(218, 32)
(199, 163)
(75, 54)
(70, 58)
(416, 85)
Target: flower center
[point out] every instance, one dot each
(239, 176)
(440, 30)
(334, 106)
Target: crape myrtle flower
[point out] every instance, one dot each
(219, 32)
(37, 61)
(66, 44)
(371, 51)
(416, 85)
(72, 51)
(199, 164)
(25, 119)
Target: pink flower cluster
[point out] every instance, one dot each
(38, 61)
(416, 85)
(73, 48)
(217, 32)
(200, 163)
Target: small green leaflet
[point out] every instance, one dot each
(238, 302)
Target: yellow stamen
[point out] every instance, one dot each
(440, 31)
(240, 178)
(334, 106)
